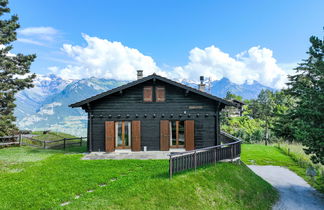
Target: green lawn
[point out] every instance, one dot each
(35, 178)
(51, 135)
(259, 154)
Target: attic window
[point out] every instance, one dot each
(160, 94)
(148, 94)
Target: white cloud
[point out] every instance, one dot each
(38, 31)
(106, 59)
(37, 35)
(103, 58)
(254, 64)
(30, 41)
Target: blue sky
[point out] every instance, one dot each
(171, 37)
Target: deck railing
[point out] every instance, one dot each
(195, 158)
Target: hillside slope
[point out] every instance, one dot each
(144, 184)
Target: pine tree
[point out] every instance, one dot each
(307, 87)
(14, 70)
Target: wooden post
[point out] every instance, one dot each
(232, 152)
(195, 160)
(64, 143)
(170, 169)
(44, 144)
(20, 139)
(215, 155)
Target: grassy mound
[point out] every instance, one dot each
(56, 178)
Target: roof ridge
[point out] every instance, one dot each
(151, 76)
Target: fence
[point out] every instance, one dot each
(10, 140)
(60, 143)
(193, 159)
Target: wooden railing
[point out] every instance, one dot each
(60, 143)
(10, 140)
(195, 158)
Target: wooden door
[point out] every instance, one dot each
(164, 135)
(190, 134)
(136, 135)
(110, 136)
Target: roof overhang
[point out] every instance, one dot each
(150, 77)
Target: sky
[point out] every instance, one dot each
(242, 40)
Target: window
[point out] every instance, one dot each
(123, 134)
(177, 137)
(160, 94)
(148, 94)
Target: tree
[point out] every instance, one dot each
(283, 125)
(14, 70)
(307, 87)
(263, 108)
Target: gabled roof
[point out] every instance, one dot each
(144, 79)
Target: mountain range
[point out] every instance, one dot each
(45, 106)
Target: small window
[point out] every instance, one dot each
(148, 94)
(160, 94)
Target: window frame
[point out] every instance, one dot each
(123, 146)
(177, 123)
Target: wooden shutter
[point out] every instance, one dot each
(190, 134)
(136, 135)
(110, 136)
(164, 135)
(148, 94)
(160, 94)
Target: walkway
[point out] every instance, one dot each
(295, 192)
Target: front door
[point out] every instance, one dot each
(123, 134)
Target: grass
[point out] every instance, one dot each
(36, 178)
(51, 135)
(258, 154)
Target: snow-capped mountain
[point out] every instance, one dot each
(54, 113)
(29, 101)
(46, 105)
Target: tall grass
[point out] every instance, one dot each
(296, 152)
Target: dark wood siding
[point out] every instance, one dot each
(179, 105)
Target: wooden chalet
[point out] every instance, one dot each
(153, 113)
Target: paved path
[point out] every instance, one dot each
(127, 155)
(295, 192)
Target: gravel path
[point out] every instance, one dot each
(295, 192)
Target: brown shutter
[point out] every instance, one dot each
(110, 136)
(190, 134)
(164, 135)
(160, 94)
(136, 135)
(148, 94)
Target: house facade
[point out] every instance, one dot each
(152, 113)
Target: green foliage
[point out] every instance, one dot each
(307, 87)
(140, 184)
(231, 96)
(14, 70)
(245, 128)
